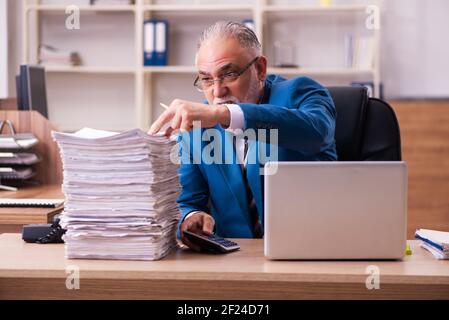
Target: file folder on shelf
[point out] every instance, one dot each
(155, 42)
(249, 23)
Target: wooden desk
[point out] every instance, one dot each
(13, 219)
(38, 272)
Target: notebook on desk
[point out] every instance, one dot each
(437, 242)
(43, 203)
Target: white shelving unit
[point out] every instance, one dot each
(150, 83)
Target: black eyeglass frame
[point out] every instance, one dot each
(222, 78)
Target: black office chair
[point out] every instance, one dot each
(367, 128)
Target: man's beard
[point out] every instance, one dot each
(252, 96)
(226, 100)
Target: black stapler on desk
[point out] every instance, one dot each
(44, 233)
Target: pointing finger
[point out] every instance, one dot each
(165, 117)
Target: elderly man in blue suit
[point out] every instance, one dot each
(227, 197)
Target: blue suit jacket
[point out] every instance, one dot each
(304, 114)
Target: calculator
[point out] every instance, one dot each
(212, 243)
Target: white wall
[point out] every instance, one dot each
(14, 42)
(3, 50)
(415, 54)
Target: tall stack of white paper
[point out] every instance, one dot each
(121, 191)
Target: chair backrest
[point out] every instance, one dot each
(366, 129)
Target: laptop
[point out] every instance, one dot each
(335, 210)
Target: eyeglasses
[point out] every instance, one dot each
(204, 84)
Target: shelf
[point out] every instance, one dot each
(169, 69)
(89, 69)
(204, 8)
(125, 70)
(312, 9)
(320, 71)
(193, 70)
(49, 7)
(187, 20)
(197, 8)
(271, 70)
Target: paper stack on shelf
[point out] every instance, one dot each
(363, 57)
(437, 242)
(120, 194)
(50, 56)
(112, 2)
(359, 52)
(66, 2)
(349, 50)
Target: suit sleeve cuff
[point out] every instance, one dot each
(190, 214)
(237, 121)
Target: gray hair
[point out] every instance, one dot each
(228, 29)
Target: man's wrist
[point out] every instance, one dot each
(223, 115)
(237, 120)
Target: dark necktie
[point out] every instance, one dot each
(252, 208)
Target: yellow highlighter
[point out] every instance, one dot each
(408, 250)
